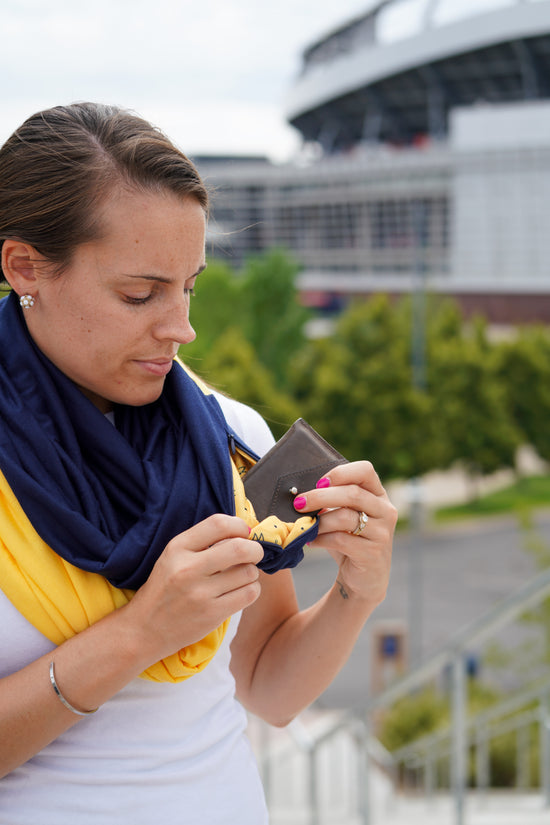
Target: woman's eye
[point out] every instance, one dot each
(131, 299)
(143, 299)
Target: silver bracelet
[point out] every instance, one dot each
(62, 698)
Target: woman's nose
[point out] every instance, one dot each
(175, 325)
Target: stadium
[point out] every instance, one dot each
(394, 74)
(425, 163)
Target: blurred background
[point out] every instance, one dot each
(379, 263)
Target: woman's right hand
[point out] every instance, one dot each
(204, 575)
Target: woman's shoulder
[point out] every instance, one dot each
(247, 423)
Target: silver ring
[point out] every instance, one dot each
(361, 524)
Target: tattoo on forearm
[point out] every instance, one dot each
(343, 591)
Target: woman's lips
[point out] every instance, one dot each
(156, 366)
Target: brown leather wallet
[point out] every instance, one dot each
(293, 465)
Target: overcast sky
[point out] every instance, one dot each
(213, 74)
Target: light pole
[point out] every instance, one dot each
(419, 220)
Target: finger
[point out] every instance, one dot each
(239, 598)
(231, 553)
(213, 529)
(357, 548)
(361, 473)
(344, 520)
(236, 578)
(352, 497)
(376, 532)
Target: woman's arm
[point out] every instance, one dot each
(204, 575)
(89, 669)
(282, 658)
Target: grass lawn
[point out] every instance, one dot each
(526, 494)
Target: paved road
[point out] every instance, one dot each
(460, 572)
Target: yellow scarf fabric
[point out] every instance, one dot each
(61, 600)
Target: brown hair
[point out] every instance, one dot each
(61, 164)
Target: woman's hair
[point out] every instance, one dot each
(60, 166)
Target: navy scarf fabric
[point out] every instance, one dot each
(107, 499)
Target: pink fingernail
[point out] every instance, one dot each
(300, 502)
(323, 482)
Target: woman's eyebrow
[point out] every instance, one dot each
(160, 278)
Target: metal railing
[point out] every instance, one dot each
(355, 723)
(512, 715)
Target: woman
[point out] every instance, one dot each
(121, 556)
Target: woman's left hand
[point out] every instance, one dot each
(356, 527)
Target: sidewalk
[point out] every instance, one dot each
(506, 808)
(503, 809)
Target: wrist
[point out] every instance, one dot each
(141, 644)
(353, 599)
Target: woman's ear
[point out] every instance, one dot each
(19, 265)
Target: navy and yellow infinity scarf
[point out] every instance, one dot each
(86, 508)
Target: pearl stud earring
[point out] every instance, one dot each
(26, 301)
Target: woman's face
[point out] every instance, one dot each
(113, 321)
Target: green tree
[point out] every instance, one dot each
(523, 365)
(472, 414)
(357, 389)
(357, 385)
(214, 309)
(261, 301)
(272, 317)
(231, 367)
(412, 717)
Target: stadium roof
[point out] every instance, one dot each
(393, 73)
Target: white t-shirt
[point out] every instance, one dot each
(154, 752)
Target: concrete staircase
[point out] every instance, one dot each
(337, 776)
